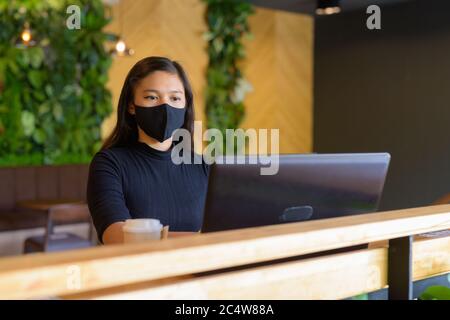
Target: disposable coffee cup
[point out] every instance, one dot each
(142, 230)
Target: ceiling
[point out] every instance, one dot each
(309, 6)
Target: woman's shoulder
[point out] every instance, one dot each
(110, 157)
(114, 152)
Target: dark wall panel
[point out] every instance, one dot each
(388, 90)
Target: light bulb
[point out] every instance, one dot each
(120, 46)
(121, 49)
(26, 35)
(332, 10)
(328, 7)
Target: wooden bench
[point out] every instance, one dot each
(255, 263)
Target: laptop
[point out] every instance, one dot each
(306, 187)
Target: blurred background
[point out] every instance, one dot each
(312, 69)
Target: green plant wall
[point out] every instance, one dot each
(227, 22)
(53, 95)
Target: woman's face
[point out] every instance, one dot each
(157, 88)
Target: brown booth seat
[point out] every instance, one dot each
(32, 183)
(10, 221)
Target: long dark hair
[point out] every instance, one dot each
(125, 132)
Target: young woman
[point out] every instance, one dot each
(133, 176)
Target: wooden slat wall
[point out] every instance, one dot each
(25, 183)
(47, 182)
(69, 181)
(7, 198)
(279, 66)
(46, 274)
(279, 62)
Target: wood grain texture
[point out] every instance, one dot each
(25, 183)
(431, 257)
(47, 182)
(334, 277)
(46, 274)
(7, 188)
(69, 181)
(331, 277)
(279, 66)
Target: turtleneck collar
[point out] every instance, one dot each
(158, 154)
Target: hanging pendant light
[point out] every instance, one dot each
(120, 48)
(26, 37)
(328, 7)
(26, 34)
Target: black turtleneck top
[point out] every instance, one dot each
(141, 182)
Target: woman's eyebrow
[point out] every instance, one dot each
(151, 90)
(157, 91)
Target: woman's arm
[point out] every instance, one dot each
(113, 234)
(106, 198)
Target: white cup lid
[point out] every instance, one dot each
(142, 225)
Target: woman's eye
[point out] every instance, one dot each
(176, 99)
(151, 97)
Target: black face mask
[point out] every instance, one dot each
(161, 121)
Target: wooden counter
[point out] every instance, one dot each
(194, 266)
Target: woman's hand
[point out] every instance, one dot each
(113, 234)
(175, 234)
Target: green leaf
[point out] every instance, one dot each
(97, 146)
(57, 111)
(3, 63)
(28, 123)
(38, 95)
(36, 56)
(44, 108)
(39, 136)
(67, 91)
(49, 90)
(364, 296)
(23, 58)
(35, 78)
(218, 44)
(13, 67)
(436, 293)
